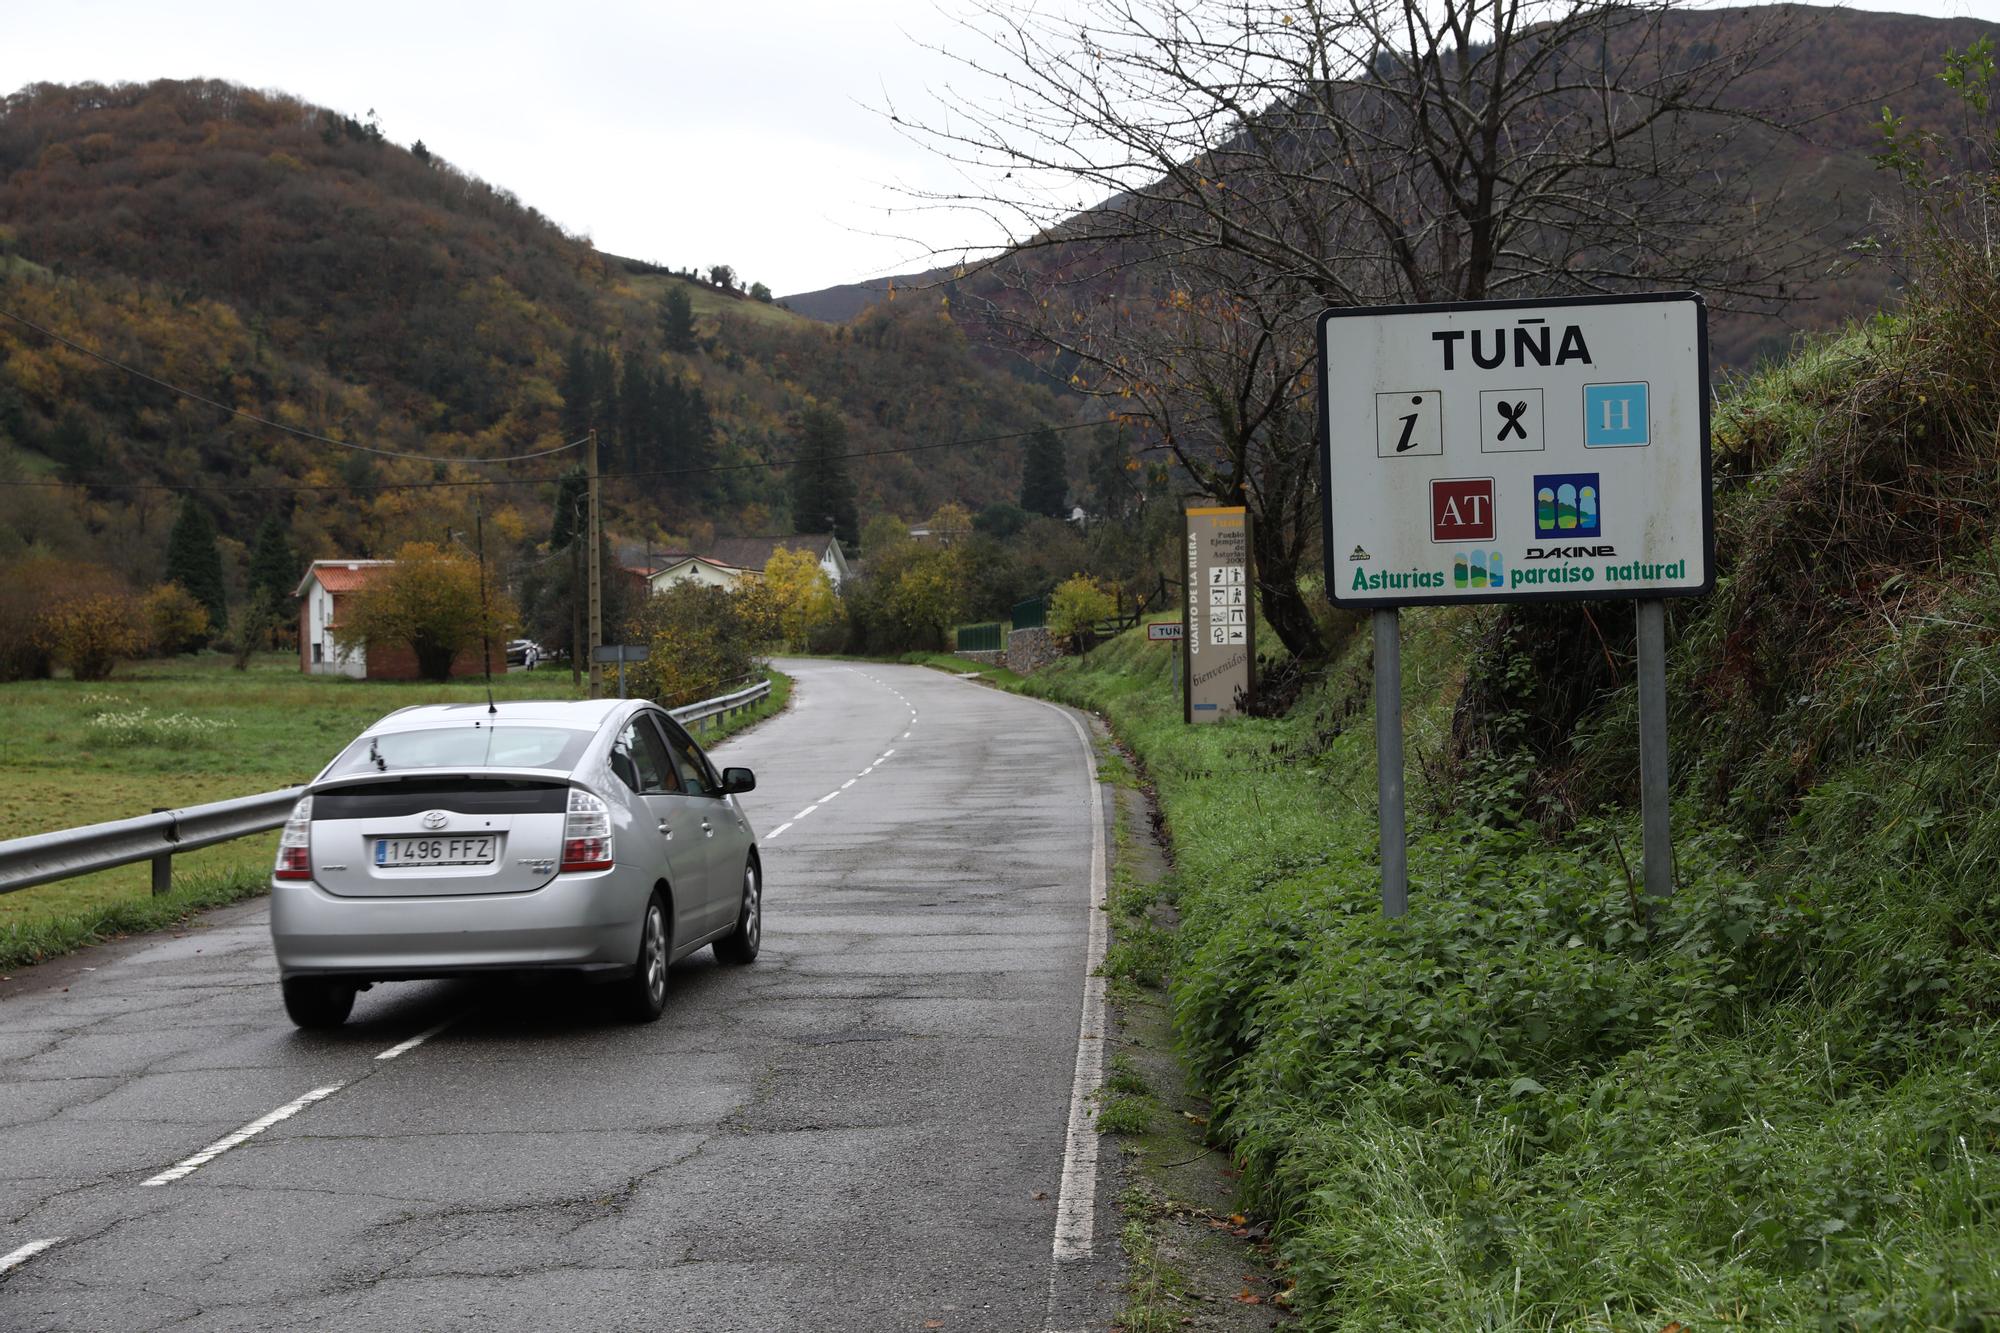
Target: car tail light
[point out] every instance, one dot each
(295, 844)
(586, 833)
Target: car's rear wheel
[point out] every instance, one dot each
(740, 945)
(318, 1002)
(644, 995)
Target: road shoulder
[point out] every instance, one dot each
(1192, 1261)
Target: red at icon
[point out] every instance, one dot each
(1462, 510)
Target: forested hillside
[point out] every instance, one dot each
(293, 263)
(1833, 83)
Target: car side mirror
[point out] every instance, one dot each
(735, 780)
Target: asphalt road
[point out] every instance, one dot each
(868, 1129)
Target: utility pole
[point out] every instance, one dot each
(596, 538)
(576, 592)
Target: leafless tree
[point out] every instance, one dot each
(1188, 184)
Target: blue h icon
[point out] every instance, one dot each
(1615, 416)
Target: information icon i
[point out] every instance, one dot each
(1409, 423)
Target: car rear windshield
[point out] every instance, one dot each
(478, 746)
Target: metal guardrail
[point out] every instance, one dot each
(46, 857)
(694, 716)
(26, 862)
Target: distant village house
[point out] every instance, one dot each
(327, 587)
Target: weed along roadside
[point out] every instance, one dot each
(1534, 1102)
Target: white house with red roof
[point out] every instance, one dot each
(327, 584)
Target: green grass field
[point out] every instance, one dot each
(708, 303)
(161, 735)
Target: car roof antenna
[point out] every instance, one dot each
(485, 623)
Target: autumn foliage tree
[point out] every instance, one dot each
(430, 599)
(801, 596)
(176, 621)
(1079, 602)
(91, 624)
(699, 638)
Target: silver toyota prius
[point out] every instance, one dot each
(590, 837)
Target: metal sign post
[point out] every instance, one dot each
(1549, 450)
(1393, 834)
(1659, 855)
(1163, 631)
(621, 653)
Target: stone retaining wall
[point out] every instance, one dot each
(1028, 650)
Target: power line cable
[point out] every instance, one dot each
(136, 373)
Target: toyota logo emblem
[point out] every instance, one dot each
(434, 819)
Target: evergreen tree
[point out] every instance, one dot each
(1043, 483)
(635, 413)
(1113, 483)
(677, 319)
(195, 562)
(572, 492)
(578, 391)
(822, 489)
(604, 379)
(274, 570)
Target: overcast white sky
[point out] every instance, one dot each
(679, 131)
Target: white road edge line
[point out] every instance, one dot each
(15, 1258)
(405, 1047)
(188, 1166)
(1076, 1203)
(780, 829)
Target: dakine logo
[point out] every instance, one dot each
(1570, 553)
(1360, 554)
(1462, 509)
(1566, 505)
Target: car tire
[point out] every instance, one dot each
(740, 945)
(317, 1003)
(644, 994)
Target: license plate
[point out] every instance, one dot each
(393, 852)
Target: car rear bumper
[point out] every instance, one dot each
(583, 923)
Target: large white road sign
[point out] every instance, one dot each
(1515, 451)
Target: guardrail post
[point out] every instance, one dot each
(163, 864)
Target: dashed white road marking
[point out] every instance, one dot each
(405, 1047)
(803, 813)
(188, 1166)
(780, 829)
(849, 783)
(829, 796)
(15, 1258)
(887, 753)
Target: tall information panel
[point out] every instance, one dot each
(1517, 451)
(1219, 642)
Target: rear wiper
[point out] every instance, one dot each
(381, 764)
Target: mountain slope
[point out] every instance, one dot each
(289, 262)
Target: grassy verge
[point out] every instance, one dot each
(186, 732)
(770, 706)
(960, 666)
(1531, 1104)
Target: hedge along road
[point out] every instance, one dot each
(871, 1128)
